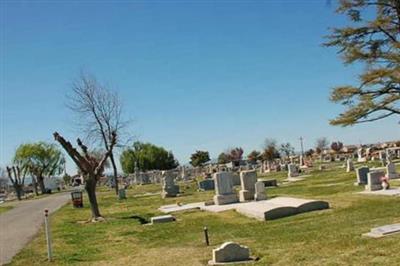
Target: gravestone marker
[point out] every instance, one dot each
(362, 175)
(248, 180)
(292, 170)
(224, 193)
(374, 180)
(260, 191)
(207, 184)
(349, 166)
(169, 189)
(230, 252)
(391, 171)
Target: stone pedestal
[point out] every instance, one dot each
(248, 180)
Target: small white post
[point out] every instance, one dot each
(48, 234)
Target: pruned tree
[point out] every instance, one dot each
(235, 154)
(374, 42)
(320, 145)
(40, 160)
(337, 146)
(199, 158)
(100, 114)
(90, 167)
(286, 149)
(16, 174)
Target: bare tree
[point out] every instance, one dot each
(91, 167)
(99, 110)
(17, 178)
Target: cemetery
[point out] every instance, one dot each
(311, 213)
(192, 133)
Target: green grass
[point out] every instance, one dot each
(5, 208)
(329, 237)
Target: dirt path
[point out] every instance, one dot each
(20, 224)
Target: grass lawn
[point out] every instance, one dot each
(328, 237)
(5, 208)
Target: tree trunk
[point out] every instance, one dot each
(18, 191)
(34, 185)
(41, 184)
(115, 173)
(91, 192)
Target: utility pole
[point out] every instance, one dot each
(302, 147)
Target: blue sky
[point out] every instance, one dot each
(192, 75)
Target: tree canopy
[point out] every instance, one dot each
(373, 42)
(40, 159)
(147, 156)
(270, 150)
(199, 158)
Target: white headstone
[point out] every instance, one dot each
(374, 180)
(224, 193)
(248, 180)
(260, 191)
(391, 171)
(292, 170)
(349, 166)
(230, 252)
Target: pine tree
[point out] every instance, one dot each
(374, 42)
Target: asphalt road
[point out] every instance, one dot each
(19, 225)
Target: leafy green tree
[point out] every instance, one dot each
(374, 42)
(147, 156)
(41, 160)
(253, 156)
(223, 158)
(199, 158)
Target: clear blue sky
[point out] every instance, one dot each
(199, 75)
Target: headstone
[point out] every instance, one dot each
(384, 231)
(121, 194)
(301, 160)
(169, 189)
(374, 180)
(349, 166)
(230, 252)
(292, 170)
(269, 182)
(224, 193)
(391, 171)
(260, 191)
(235, 178)
(362, 175)
(162, 219)
(248, 180)
(207, 184)
(183, 174)
(360, 158)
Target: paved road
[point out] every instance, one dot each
(19, 225)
